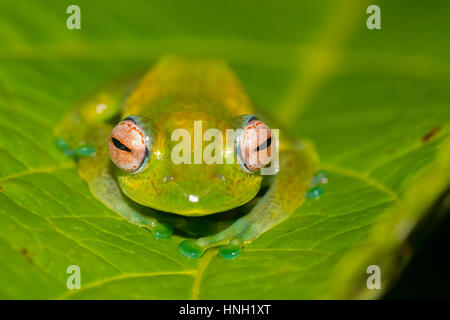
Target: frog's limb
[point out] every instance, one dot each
(286, 193)
(104, 187)
(101, 107)
(85, 131)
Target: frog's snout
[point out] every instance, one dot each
(193, 190)
(195, 196)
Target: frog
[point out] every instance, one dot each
(121, 137)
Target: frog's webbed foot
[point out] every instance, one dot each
(83, 150)
(229, 247)
(288, 190)
(159, 230)
(105, 188)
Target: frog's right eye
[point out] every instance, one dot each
(254, 145)
(128, 146)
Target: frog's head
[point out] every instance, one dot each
(161, 165)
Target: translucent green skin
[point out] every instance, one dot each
(172, 95)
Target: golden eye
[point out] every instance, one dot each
(256, 145)
(127, 146)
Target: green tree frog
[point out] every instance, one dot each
(122, 139)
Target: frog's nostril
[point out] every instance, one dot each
(167, 178)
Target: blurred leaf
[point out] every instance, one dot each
(375, 103)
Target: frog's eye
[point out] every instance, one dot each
(128, 146)
(255, 145)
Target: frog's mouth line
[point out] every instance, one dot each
(199, 226)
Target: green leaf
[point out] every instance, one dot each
(374, 102)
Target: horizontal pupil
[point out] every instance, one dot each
(264, 145)
(120, 145)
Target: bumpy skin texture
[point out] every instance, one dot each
(172, 95)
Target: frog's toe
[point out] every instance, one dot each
(190, 248)
(314, 193)
(316, 185)
(232, 249)
(84, 151)
(227, 248)
(64, 147)
(229, 251)
(162, 231)
(80, 151)
(320, 177)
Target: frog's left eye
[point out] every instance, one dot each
(128, 146)
(255, 145)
